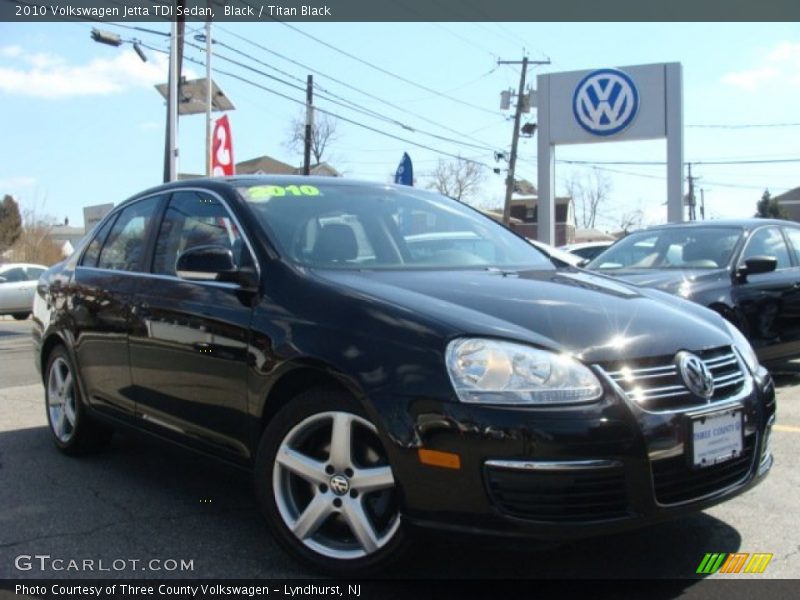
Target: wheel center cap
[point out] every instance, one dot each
(339, 485)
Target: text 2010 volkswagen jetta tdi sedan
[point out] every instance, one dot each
(384, 358)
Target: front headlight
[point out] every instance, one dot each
(496, 372)
(743, 346)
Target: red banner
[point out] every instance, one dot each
(222, 151)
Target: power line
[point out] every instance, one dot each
(694, 162)
(743, 125)
(385, 71)
(348, 85)
(346, 104)
(327, 112)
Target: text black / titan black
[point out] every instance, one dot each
(385, 358)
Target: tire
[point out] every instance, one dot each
(73, 431)
(341, 515)
(21, 316)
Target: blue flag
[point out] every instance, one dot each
(405, 171)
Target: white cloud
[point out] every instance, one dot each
(46, 75)
(750, 80)
(781, 64)
(10, 51)
(20, 181)
(150, 125)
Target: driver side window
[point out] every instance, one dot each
(196, 219)
(768, 242)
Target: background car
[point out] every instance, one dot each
(747, 270)
(17, 287)
(586, 250)
(572, 260)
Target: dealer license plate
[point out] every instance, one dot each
(716, 438)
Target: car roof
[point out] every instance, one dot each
(236, 181)
(748, 224)
(7, 266)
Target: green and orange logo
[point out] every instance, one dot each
(735, 562)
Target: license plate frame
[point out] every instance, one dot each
(715, 437)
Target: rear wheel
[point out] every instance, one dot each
(326, 486)
(73, 431)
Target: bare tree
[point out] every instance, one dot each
(34, 244)
(588, 192)
(323, 134)
(460, 179)
(632, 220)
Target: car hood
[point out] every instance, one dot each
(593, 317)
(674, 281)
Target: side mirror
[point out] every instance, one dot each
(583, 263)
(756, 265)
(2, 279)
(214, 263)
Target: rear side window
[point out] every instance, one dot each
(93, 250)
(196, 219)
(125, 247)
(14, 275)
(34, 273)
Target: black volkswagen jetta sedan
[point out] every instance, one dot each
(747, 270)
(385, 359)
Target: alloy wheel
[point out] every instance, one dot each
(333, 486)
(61, 400)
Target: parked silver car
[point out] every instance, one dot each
(17, 286)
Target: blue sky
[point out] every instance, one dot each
(84, 125)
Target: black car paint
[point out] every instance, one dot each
(381, 335)
(765, 306)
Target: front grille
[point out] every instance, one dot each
(676, 481)
(591, 495)
(655, 383)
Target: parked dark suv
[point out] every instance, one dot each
(373, 386)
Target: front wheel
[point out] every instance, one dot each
(21, 316)
(326, 487)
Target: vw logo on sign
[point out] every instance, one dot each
(695, 374)
(605, 102)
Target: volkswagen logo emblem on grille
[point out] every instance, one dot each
(339, 485)
(605, 102)
(695, 374)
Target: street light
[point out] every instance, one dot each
(106, 37)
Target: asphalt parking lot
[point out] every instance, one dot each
(142, 500)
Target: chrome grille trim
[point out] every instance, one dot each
(663, 385)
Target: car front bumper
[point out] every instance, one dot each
(559, 474)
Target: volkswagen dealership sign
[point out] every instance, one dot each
(640, 102)
(605, 102)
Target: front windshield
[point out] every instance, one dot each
(375, 227)
(671, 248)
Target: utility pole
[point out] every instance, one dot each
(170, 150)
(309, 124)
(512, 160)
(209, 85)
(692, 203)
(178, 26)
(702, 204)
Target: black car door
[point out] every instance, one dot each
(189, 341)
(767, 299)
(100, 303)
